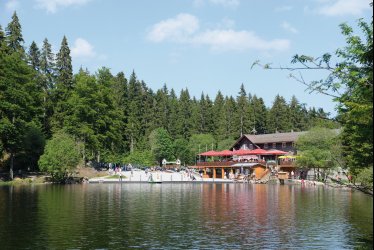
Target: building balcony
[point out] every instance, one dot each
(225, 163)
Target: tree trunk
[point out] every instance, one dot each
(84, 151)
(11, 166)
(132, 145)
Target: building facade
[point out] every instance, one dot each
(278, 141)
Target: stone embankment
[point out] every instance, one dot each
(162, 176)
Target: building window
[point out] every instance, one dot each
(266, 146)
(251, 146)
(274, 145)
(284, 144)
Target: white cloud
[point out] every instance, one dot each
(184, 29)
(224, 3)
(12, 5)
(231, 40)
(288, 27)
(344, 7)
(174, 29)
(51, 6)
(82, 49)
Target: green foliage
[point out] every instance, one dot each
(199, 143)
(161, 144)
(365, 178)
(33, 144)
(61, 157)
(64, 84)
(34, 56)
(181, 150)
(350, 82)
(279, 116)
(244, 115)
(319, 148)
(142, 158)
(14, 35)
(225, 144)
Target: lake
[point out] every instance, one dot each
(184, 216)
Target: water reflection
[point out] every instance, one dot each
(187, 216)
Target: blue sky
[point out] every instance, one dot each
(204, 45)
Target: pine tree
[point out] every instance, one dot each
(64, 82)
(243, 119)
(64, 70)
(14, 36)
(172, 116)
(161, 108)
(47, 65)
(2, 39)
(18, 102)
(184, 113)
(120, 97)
(219, 117)
(195, 116)
(296, 115)
(230, 109)
(48, 77)
(202, 115)
(34, 56)
(260, 114)
(133, 128)
(279, 118)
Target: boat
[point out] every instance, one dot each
(153, 180)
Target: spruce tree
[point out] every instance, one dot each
(48, 77)
(243, 117)
(219, 117)
(14, 36)
(203, 111)
(160, 109)
(230, 110)
(184, 113)
(34, 56)
(172, 116)
(260, 114)
(18, 102)
(279, 118)
(2, 38)
(64, 70)
(47, 65)
(133, 125)
(296, 115)
(64, 83)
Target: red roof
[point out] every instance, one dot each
(242, 152)
(209, 153)
(276, 152)
(225, 153)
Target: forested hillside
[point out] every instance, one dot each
(111, 116)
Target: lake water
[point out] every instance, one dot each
(184, 216)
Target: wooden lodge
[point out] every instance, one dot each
(252, 156)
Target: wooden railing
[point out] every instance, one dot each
(224, 163)
(215, 164)
(287, 164)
